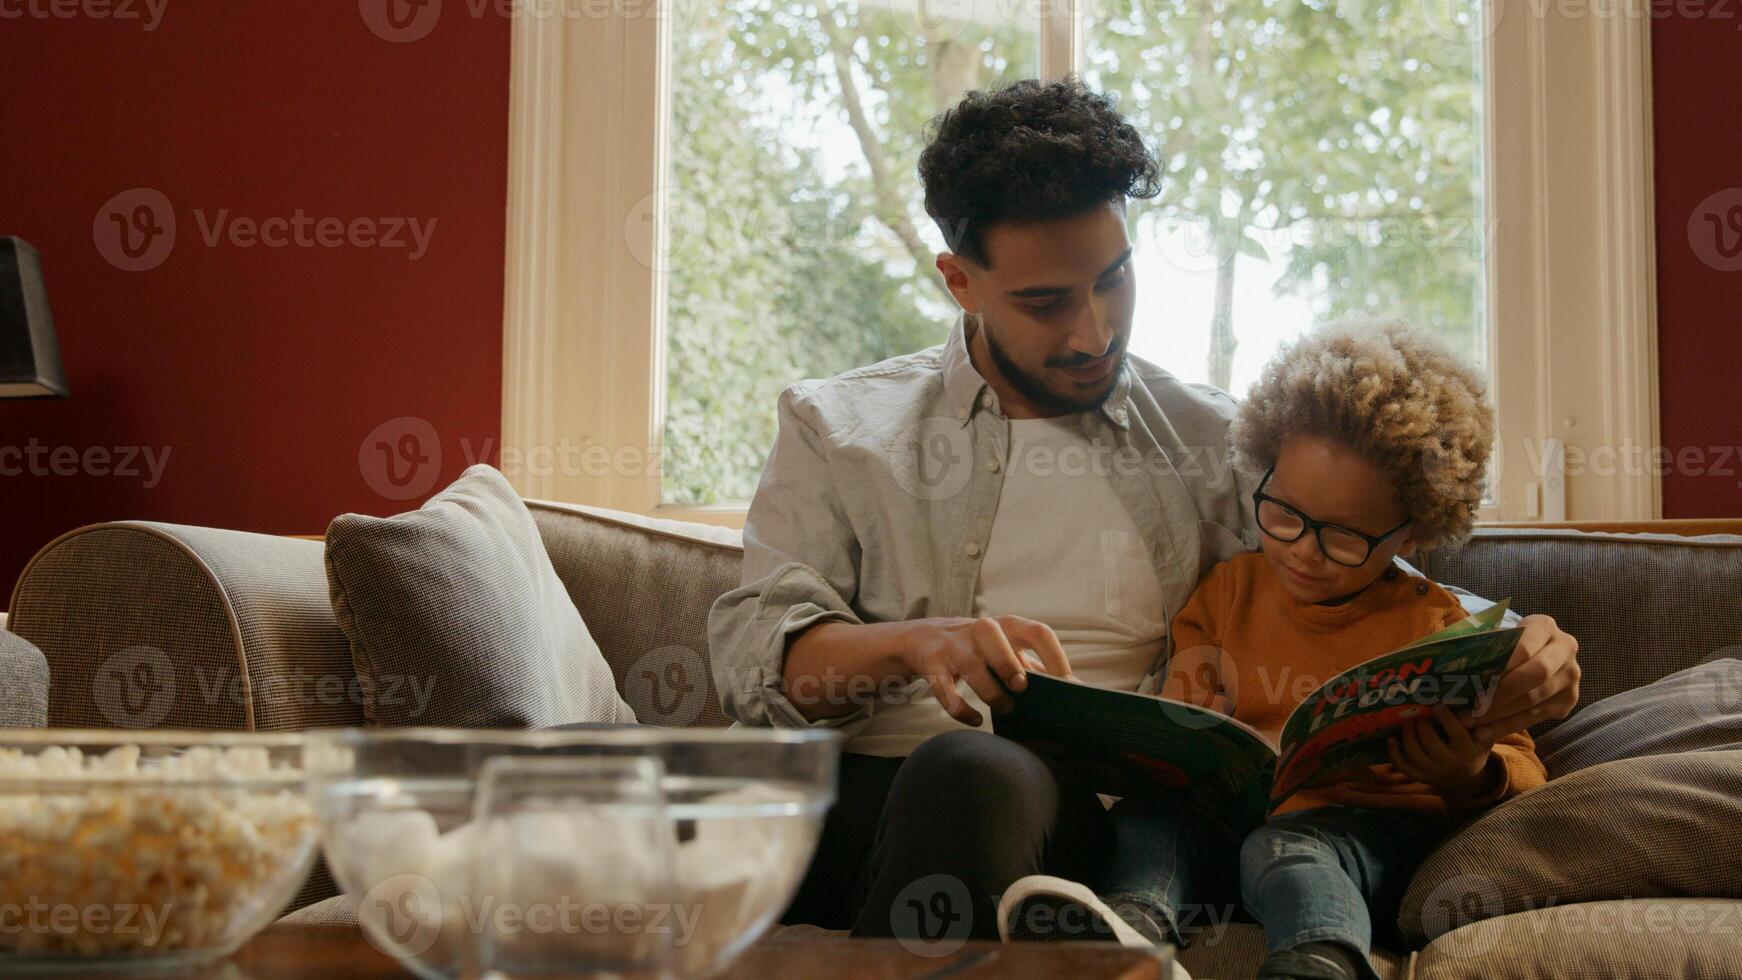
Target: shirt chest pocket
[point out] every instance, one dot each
(1130, 588)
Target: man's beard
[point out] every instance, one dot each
(1035, 390)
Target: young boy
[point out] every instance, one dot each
(1372, 440)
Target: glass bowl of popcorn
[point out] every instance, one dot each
(406, 818)
(125, 849)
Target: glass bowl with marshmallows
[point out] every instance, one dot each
(146, 849)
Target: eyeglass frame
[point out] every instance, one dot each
(1259, 497)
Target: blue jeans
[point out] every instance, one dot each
(1323, 874)
(1173, 864)
(1318, 874)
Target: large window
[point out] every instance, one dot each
(710, 199)
(1321, 160)
(799, 245)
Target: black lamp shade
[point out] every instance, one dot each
(29, 357)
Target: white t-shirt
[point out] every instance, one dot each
(1064, 551)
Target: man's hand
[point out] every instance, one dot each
(1444, 755)
(1541, 681)
(981, 652)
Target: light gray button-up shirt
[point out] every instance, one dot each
(878, 498)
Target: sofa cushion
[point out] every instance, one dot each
(1642, 606)
(456, 617)
(1660, 825)
(1641, 938)
(645, 586)
(23, 683)
(1690, 710)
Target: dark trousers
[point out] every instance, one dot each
(922, 848)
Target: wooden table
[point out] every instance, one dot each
(335, 952)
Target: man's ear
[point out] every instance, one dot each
(954, 269)
(1408, 549)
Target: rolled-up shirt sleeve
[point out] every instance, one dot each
(800, 568)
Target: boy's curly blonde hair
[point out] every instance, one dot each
(1397, 396)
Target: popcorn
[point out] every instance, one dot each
(134, 863)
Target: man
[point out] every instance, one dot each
(1026, 486)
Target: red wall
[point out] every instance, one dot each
(262, 372)
(1697, 118)
(259, 370)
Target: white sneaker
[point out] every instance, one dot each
(1059, 892)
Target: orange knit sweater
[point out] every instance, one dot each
(1273, 651)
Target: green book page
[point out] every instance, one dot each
(1128, 744)
(1348, 721)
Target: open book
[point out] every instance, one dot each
(1129, 744)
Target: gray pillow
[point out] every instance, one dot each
(23, 683)
(1652, 827)
(456, 617)
(1698, 708)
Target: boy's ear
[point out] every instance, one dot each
(1408, 549)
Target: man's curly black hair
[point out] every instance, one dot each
(1032, 151)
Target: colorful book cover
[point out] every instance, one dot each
(1129, 744)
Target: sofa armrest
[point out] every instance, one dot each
(147, 625)
(23, 683)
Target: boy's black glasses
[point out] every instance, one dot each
(1343, 545)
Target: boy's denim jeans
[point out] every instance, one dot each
(1318, 874)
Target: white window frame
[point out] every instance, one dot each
(1570, 274)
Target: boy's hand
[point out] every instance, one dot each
(1445, 756)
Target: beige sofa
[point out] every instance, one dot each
(239, 629)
